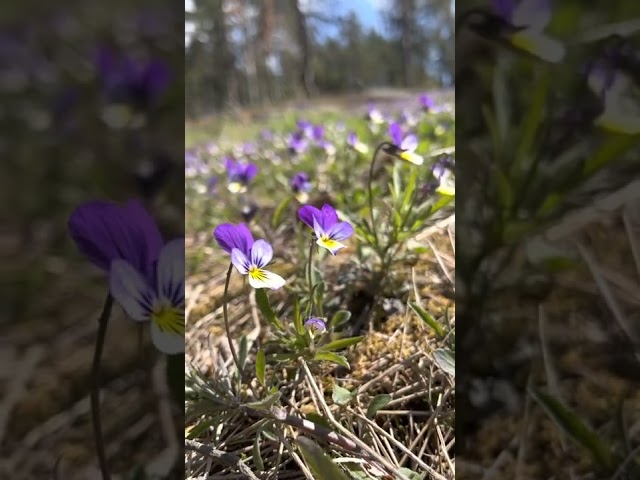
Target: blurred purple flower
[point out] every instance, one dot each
(354, 142)
(374, 115)
(127, 80)
(105, 231)
(158, 299)
(305, 127)
(230, 236)
(194, 165)
(407, 144)
(212, 185)
(315, 323)
(239, 174)
(328, 230)
(426, 101)
(297, 143)
(301, 186)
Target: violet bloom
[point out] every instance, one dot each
(297, 143)
(106, 231)
(529, 18)
(316, 324)
(305, 128)
(212, 185)
(354, 142)
(407, 144)
(328, 230)
(130, 81)
(158, 299)
(444, 177)
(249, 257)
(426, 102)
(240, 174)
(374, 115)
(301, 186)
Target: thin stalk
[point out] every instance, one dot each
(225, 314)
(369, 182)
(103, 321)
(310, 277)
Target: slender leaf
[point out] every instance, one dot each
(446, 360)
(378, 403)
(242, 351)
(261, 365)
(339, 318)
(298, 321)
(340, 344)
(276, 219)
(428, 320)
(267, 403)
(257, 456)
(262, 300)
(332, 357)
(319, 463)
(575, 428)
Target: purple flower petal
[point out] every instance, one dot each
(171, 272)
(105, 231)
(316, 323)
(131, 290)
(240, 261)
(251, 171)
(261, 253)
(231, 236)
(157, 77)
(329, 217)
(307, 213)
(341, 231)
(504, 8)
(410, 143)
(395, 132)
(352, 139)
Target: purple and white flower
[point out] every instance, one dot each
(407, 144)
(328, 230)
(240, 174)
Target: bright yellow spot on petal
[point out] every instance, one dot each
(236, 187)
(257, 274)
(412, 158)
(168, 319)
(302, 197)
(331, 245)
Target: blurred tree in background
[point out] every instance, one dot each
(252, 52)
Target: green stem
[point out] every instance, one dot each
(225, 314)
(310, 277)
(103, 321)
(369, 182)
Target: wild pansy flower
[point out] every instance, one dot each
(158, 299)
(297, 143)
(316, 324)
(527, 20)
(328, 230)
(406, 144)
(444, 176)
(193, 164)
(305, 128)
(127, 80)
(106, 231)
(374, 115)
(426, 102)
(319, 139)
(608, 78)
(249, 257)
(239, 174)
(301, 186)
(356, 144)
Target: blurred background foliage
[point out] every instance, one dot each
(245, 53)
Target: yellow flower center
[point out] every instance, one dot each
(168, 319)
(257, 274)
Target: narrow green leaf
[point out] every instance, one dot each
(342, 396)
(257, 456)
(319, 463)
(318, 296)
(428, 320)
(200, 428)
(332, 357)
(397, 185)
(378, 403)
(340, 344)
(339, 318)
(531, 124)
(575, 428)
(611, 150)
(267, 403)
(242, 351)
(407, 199)
(319, 419)
(261, 365)
(446, 360)
(276, 219)
(262, 300)
(298, 321)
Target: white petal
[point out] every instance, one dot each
(317, 228)
(131, 290)
(540, 45)
(263, 279)
(332, 245)
(167, 342)
(171, 272)
(240, 261)
(261, 253)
